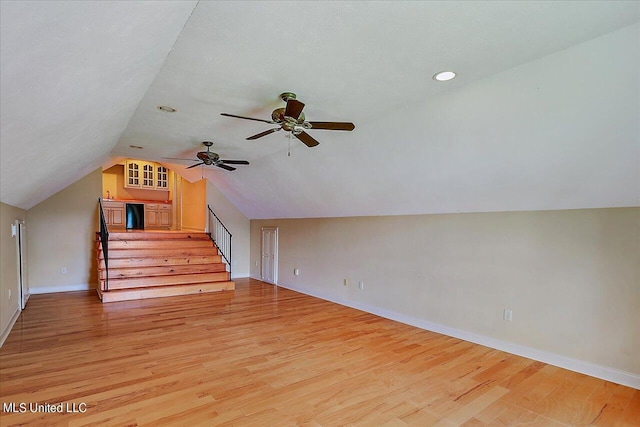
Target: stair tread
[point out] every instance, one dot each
(158, 244)
(169, 254)
(140, 262)
(132, 272)
(177, 267)
(156, 235)
(164, 291)
(162, 287)
(172, 280)
(162, 252)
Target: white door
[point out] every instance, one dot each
(22, 264)
(269, 256)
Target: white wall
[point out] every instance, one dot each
(570, 277)
(238, 225)
(61, 233)
(9, 306)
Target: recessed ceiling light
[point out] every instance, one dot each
(444, 76)
(137, 147)
(166, 109)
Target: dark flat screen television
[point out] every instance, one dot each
(135, 216)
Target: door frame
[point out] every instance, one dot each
(275, 254)
(23, 282)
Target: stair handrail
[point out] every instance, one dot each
(221, 236)
(104, 242)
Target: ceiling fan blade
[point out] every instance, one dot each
(332, 125)
(265, 133)
(177, 158)
(306, 139)
(235, 162)
(197, 164)
(223, 166)
(294, 108)
(247, 118)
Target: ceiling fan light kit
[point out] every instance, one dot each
(290, 118)
(210, 158)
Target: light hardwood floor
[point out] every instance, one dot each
(266, 356)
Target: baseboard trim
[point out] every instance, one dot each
(9, 327)
(239, 276)
(603, 372)
(66, 288)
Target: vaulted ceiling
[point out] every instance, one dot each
(544, 112)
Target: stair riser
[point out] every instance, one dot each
(135, 294)
(168, 252)
(132, 235)
(165, 280)
(158, 244)
(122, 273)
(159, 261)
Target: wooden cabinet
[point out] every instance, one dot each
(157, 215)
(147, 175)
(132, 171)
(148, 180)
(162, 178)
(165, 216)
(140, 174)
(114, 213)
(151, 215)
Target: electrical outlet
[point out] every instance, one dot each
(63, 270)
(296, 271)
(361, 285)
(9, 293)
(507, 315)
(346, 282)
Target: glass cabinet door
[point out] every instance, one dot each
(162, 179)
(147, 176)
(133, 174)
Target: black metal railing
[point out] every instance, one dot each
(104, 241)
(221, 236)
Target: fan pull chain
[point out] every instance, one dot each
(289, 152)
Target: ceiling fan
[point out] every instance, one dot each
(292, 119)
(210, 158)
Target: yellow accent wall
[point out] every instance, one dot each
(194, 205)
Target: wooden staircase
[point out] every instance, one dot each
(151, 264)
